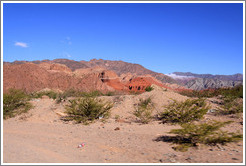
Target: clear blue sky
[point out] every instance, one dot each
(198, 38)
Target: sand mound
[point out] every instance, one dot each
(125, 105)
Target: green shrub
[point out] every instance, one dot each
(149, 88)
(205, 133)
(87, 109)
(15, 102)
(144, 111)
(51, 94)
(232, 93)
(183, 112)
(75, 93)
(231, 107)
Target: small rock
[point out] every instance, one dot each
(220, 148)
(234, 158)
(230, 153)
(161, 161)
(189, 158)
(172, 160)
(211, 149)
(117, 128)
(211, 111)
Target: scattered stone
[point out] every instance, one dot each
(172, 160)
(230, 153)
(211, 111)
(234, 158)
(117, 128)
(189, 158)
(161, 161)
(220, 148)
(211, 149)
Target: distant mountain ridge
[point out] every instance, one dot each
(234, 77)
(193, 81)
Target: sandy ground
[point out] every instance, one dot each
(41, 137)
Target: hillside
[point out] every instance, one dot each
(127, 70)
(205, 81)
(36, 76)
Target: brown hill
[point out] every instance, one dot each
(34, 77)
(119, 67)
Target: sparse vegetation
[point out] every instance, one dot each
(149, 88)
(75, 93)
(51, 94)
(184, 112)
(204, 133)
(231, 107)
(87, 109)
(232, 93)
(15, 102)
(232, 98)
(144, 110)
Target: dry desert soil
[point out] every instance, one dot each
(39, 136)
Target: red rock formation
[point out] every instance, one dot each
(31, 77)
(34, 77)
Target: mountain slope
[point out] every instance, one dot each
(119, 67)
(205, 81)
(235, 77)
(128, 70)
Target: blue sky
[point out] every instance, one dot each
(198, 38)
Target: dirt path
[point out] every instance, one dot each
(40, 137)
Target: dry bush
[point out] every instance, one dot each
(183, 112)
(149, 88)
(204, 133)
(87, 109)
(231, 107)
(15, 102)
(144, 110)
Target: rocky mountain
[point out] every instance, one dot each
(34, 77)
(123, 71)
(119, 67)
(38, 75)
(205, 81)
(235, 77)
